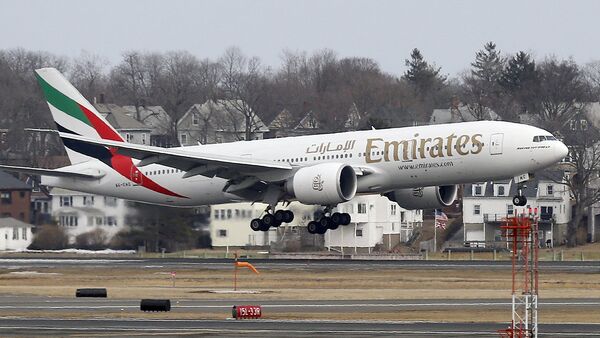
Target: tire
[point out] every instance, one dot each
(334, 226)
(276, 224)
(325, 222)
(346, 219)
(269, 220)
(517, 200)
(321, 229)
(288, 216)
(523, 201)
(280, 215)
(312, 227)
(264, 227)
(336, 218)
(256, 224)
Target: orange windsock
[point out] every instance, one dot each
(246, 265)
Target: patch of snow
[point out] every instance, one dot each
(235, 292)
(82, 251)
(32, 273)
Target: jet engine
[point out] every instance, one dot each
(424, 198)
(324, 184)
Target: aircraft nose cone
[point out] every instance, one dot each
(561, 151)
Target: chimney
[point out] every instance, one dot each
(102, 98)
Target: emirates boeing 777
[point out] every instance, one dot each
(417, 167)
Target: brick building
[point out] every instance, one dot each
(15, 198)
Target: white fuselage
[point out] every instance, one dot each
(393, 158)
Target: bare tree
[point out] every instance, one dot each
(582, 181)
(562, 92)
(179, 85)
(88, 74)
(243, 85)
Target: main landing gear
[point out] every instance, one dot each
(271, 220)
(325, 223)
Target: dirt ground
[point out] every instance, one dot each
(308, 284)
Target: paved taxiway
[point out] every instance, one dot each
(270, 328)
(194, 263)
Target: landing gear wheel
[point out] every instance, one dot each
(523, 200)
(312, 227)
(256, 224)
(346, 219)
(336, 218)
(280, 215)
(519, 200)
(334, 226)
(325, 222)
(321, 229)
(269, 220)
(288, 216)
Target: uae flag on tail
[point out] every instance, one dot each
(441, 220)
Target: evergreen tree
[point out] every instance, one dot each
(488, 64)
(423, 76)
(520, 81)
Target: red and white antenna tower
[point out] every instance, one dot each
(521, 231)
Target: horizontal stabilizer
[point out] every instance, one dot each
(96, 174)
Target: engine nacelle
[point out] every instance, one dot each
(424, 198)
(324, 184)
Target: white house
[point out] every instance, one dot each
(80, 212)
(486, 204)
(14, 234)
(375, 220)
(129, 128)
(230, 223)
(218, 122)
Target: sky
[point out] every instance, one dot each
(447, 32)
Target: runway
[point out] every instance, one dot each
(114, 308)
(98, 305)
(195, 263)
(270, 328)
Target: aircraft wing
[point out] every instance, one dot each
(51, 172)
(193, 163)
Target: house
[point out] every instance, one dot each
(159, 122)
(461, 113)
(285, 124)
(80, 212)
(129, 128)
(14, 234)
(230, 224)
(218, 122)
(487, 204)
(375, 221)
(15, 198)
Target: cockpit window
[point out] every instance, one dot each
(541, 138)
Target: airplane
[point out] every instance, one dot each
(416, 167)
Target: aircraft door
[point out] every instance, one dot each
(136, 175)
(496, 144)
